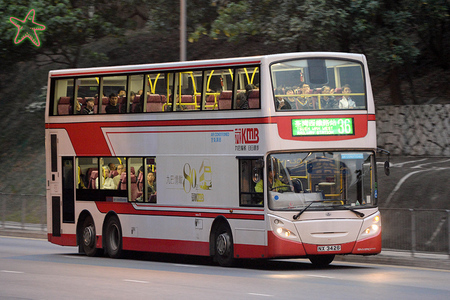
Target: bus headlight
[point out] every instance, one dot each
(375, 227)
(284, 232)
(281, 230)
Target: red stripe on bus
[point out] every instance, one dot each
(370, 245)
(166, 246)
(63, 240)
(88, 138)
(127, 208)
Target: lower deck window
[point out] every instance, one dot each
(116, 179)
(250, 173)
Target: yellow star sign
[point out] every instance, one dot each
(27, 28)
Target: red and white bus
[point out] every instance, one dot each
(256, 157)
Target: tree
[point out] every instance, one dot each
(68, 29)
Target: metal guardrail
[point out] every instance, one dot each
(28, 211)
(410, 230)
(416, 230)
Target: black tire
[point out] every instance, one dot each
(113, 238)
(321, 260)
(223, 246)
(89, 238)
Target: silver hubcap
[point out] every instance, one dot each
(88, 235)
(222, 243)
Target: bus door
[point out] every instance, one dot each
(61, 186)
(53, 185)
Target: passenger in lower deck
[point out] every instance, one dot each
(107, 183)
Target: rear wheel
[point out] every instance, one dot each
(89, 238)
(224, 253)
(113, 238)
(321, 260)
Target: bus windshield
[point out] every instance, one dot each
(318, 84)
(328, 179)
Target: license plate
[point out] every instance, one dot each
(329, 248)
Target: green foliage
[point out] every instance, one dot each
(67, 30)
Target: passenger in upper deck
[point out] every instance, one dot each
(121, 93)
(241, 101)
(328, 102)
(281, 104)
(89, 108)
(305, 102)
(346, 102)
(77, 104)
(291, 100)
(113, 106)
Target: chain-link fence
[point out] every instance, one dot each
(22, 211)
(414, 230)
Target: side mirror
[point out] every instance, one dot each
(387, 165)
(387, 169)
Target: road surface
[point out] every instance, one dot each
(36, 269)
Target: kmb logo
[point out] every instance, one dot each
(246, 135)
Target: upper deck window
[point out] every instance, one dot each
(318, 84)
(212, 89)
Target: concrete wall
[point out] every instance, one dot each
(414, 129)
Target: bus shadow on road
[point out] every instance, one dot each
(254, 264)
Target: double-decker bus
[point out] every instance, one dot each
(256, 157)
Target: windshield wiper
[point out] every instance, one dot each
(303, 210)
(359, 214)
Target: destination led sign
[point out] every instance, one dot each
(317, 127)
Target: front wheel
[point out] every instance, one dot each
(89, 238)
(224, 253)
(113, 238)
(321, 260)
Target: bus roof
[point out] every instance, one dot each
(198, 64)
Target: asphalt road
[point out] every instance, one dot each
(36, 269)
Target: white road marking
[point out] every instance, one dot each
(189, 266)
(321, 276)
(13, 272)
(135, 281)
(407, 162)
(399, 184)
(262, 295)
(75, 257)
(430, 163)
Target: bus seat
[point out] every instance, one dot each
(140, 182)
(253, 99)
(135, 104)
(123, 185)
(92, 180)
(122, 104)
(225, 100)
(113, 173)
(154, 103)
(105, 102)
(63, 106)
(122, 182)
(134, 188)
(210, 102)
